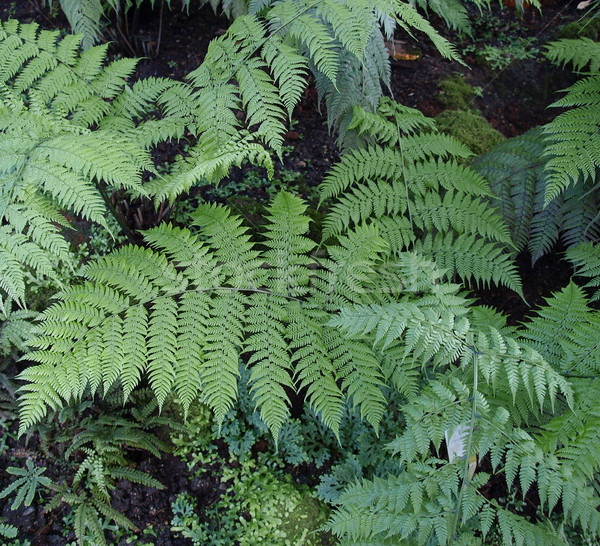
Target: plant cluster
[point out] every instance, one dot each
(368, 319)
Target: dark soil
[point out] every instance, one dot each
(513, 100)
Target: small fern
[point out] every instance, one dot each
(26, 485)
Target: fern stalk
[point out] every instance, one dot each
(116, 214)
(453, 529)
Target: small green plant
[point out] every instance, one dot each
(517, 49)
(29, 481)
(258, 506)
(7, 530)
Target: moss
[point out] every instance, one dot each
(299, 525)
(279, 512)
(471, 128)
(456, 93)
(584, 28)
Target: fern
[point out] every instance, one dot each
(52, 158)
(15, 329)
(585, 258)
(159, 298)
(7, 530)
(26, 485)
(439, 200)
(572, 137)
(580, 52)
(516, 172)
(432, 498)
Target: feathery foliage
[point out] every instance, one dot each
(516, 172)
(185, 313)
(419, 197)
(63, 142)
(572, 137)
(373, 306)
(433, 498)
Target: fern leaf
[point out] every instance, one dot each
(581, 52)
(219, 372)
(289, 70)
(287, 246)
(515, 172)
(162, 347)
(471, 258)
(315, 370)
(270, 360)
(85, 18)
(586, 259)
(408, 17)
(572, 139)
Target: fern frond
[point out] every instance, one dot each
(289, 70)
(208, 162)
(315, 370)
(408, 18)
(15, 328)
(56, 151)
(350, 274)
(391, 121)
(572, 139)
(85, 18)
(453, 12)
(270, 359)
(471, 258)
(585, 258)
(288, 245)
(581, 52)
(515, 173)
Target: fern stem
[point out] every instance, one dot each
(160, 27)
(408, 203)
(465, 480)
(116, 214)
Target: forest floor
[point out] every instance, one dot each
(511, 93)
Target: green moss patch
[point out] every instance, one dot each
(471, 128)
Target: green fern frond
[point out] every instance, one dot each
(288, 245)
(315, 369)
(515, 173)
(581, 52)
(15, 328)
(390, 123)
(440, 203)
(289, 70)
(585, 258)
(208, 162)
(85, 18)
(56, 154)
(453, 12)
(471, 258)
(363, 380)
(573, 148)
(572, 139)
(270, 359)
(349, 275)
(408, 18)
(8, 531)
(556, 322)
